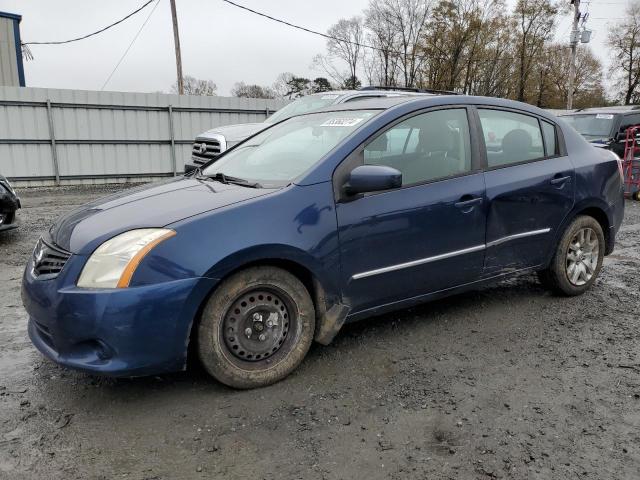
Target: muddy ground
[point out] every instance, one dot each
(506, 382)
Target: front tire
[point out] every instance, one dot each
(256, 327)
(578, 258)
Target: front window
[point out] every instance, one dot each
(303, 105)
(278, 155)
(593, 125)
(425, 147)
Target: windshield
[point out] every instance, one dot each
(276, 156)
(303, 105)
(592, 125)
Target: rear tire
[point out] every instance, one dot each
(578, 258)
(256, 327)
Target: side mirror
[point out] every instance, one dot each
(372, 178)
(188, 168)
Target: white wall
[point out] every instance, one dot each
(108, 136)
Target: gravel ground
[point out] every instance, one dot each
(505, 382)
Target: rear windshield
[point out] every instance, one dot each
(594, 125)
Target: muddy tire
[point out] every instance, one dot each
(578, 258)
(256, 327)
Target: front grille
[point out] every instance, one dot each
(48, 260)
(205, 150)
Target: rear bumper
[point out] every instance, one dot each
(124, 332)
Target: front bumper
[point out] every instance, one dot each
(122, 332)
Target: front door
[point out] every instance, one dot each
(530, 189)
(429, 234)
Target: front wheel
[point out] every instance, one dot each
(578, 258)
(256, 327)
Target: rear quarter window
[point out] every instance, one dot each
(550, 138)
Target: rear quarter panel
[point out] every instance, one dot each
(598, 181)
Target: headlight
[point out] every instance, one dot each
(113, 263)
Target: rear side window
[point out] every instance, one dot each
(510, 137)
(550, 142)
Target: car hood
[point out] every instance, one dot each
(156, 205)
(235, 133)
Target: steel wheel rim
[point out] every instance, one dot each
(582, 256)
(256, 325)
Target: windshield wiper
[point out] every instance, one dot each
(222, 178)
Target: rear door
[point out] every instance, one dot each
(530, 188)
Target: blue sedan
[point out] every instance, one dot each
(321, 219)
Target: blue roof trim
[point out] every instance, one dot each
(12, 16)
(18, 42)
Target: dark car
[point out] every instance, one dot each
(322, 219)
(605, 126)
(9, 204)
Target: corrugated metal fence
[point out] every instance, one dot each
(52, 137)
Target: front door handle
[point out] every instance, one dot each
(560, 180)
(466, 203)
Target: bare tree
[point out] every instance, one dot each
(381, 64)
(345, 47)
(409, 19)
(194, 86)
(624, 40)
(535, 20)
(477, 47)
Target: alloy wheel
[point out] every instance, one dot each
(582, 256)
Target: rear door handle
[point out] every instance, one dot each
(560, 180)
(464, 204)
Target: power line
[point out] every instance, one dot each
(337, 39)
(308, 30)
(130, 45)
(93, 33)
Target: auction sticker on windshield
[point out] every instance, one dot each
(341, 122)
(604, 116)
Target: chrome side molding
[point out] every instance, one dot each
(455, 253)
(420, 261)
(493, 243)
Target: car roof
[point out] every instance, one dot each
(616, 109)
(370, 93)
(375, 103)
(426, 101)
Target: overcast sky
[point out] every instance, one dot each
(219, 42)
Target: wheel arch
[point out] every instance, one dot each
(596, 209)
(322, 290)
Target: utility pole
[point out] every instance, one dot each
(574, 50)
(176, 41)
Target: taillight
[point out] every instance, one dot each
(620, 168)
(620, 165)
